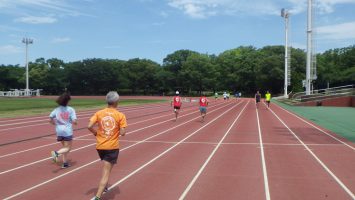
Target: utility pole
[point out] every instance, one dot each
(27, 41)
(285, 14)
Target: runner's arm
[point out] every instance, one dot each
(74, 118)
(51, 121)
(75, 122)
(91, 128)
(122, 131)
(52, 117)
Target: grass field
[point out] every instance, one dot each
(14, 107)
(339, 120)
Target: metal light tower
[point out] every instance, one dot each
(285, 14)
(309, 47)
(27, 41)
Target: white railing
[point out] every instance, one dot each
(20, 93)
(325, 93)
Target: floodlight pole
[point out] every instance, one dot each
(285, 14)
(309, 48)
(27, 41)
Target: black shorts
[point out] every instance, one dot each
(109, 155)
(257, 100)
(177, 107)
(64, 138)
(267, 101)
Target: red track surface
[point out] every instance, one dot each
(237, 153)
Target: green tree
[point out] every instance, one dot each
(198, 73)
(10, 77)
(173, 63)
(141, 74)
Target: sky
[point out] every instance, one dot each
(74, 30)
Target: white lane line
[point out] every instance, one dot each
(215, 143)
(97, 160)
(76, 138)
(47, 123)
(319, 129)
(166, 151)
(31, 149)
(266, 180)
(81, 113)
(38, 161)
(18, 127)
(166, 121)
(84, 116)
(188, 188)
(50, 180)
(346, 189)
(41, 120)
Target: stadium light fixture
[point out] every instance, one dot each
(27, 41)
(311, 73)
(285, 14)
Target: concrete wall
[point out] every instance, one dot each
(336, 102)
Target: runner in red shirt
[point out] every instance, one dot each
(203, 107)
(176, 102)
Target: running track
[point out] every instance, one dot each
(239, 152)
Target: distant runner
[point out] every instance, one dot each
(203, 107)
(257, 99)
(111, 125)
(176, 102)
(216, 96)
(225, 95)
(63, 117)
(236, 95)
(268, 98)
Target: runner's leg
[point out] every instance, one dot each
(65, 150)
(104, 179)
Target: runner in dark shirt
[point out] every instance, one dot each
(257, 98)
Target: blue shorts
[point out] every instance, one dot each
(64, 138)
(203, 109)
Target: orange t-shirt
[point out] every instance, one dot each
(109, 121)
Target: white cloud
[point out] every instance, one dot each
(327, 6)
(47, 5)
(164, 14)
(158, 24)
(4, 28)
(9, 49)
(207, 8)
(321, 6)
(343, 31)
(297, 6)
(33, 7)
(112, 47)
(60, 40)
(36, 20)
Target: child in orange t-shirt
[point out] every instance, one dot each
(111, 124)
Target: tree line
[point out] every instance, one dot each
(245, 69)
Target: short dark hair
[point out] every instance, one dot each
(63, 99)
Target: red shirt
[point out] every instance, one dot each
(203, 101)
(177, 101)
